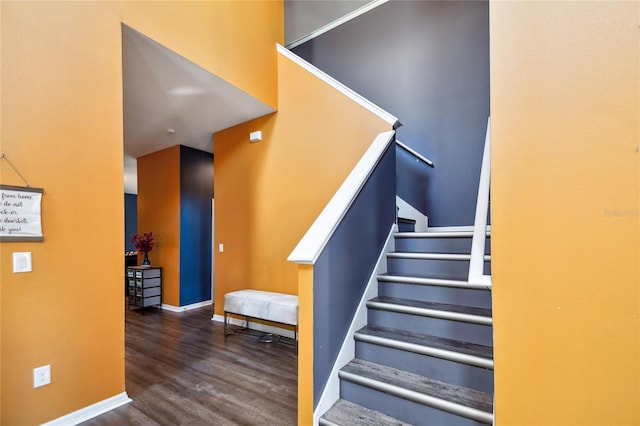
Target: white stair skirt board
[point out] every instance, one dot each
(254, 325)
(331, 391)
(184, 308)
(407, 211)
(94, 410)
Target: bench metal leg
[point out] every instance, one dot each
(246, 319)
(227, 329)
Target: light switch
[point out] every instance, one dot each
(221, 248)
(22, 262)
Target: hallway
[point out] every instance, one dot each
(180, 370)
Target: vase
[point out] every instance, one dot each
(146, 261)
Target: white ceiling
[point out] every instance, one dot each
(162, 90)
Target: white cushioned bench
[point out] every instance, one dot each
(265, 305)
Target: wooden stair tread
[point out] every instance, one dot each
(459, 395)
(429, 279)
(466, 348)
(349, 414)
(435, 297)
(438, 234)
(469, 310)
(433, 256)
(413, 275)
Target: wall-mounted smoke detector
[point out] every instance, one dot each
(171, 131)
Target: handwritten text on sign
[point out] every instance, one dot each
(20, 218)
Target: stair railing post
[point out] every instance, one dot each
(476, 265)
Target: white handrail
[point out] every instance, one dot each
(415, 153)
(313, 242)
(476, 265)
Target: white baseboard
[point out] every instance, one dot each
(253, 325)
(331, 392)
(184, 308)
(94, 410)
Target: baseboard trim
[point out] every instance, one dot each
(91, 411)
(184, 308)
(253, 325)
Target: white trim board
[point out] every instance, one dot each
(342, 20)
(253, 325)
(185, 308)
(91, 411)
(359, 99)
(317, 236)
(476, 264)
(331, 392)
(407, 211)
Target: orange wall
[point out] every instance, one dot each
(159, 212)
(61, 125)
(213, 33)
(269, 193)
(305, 344)
(565, 102)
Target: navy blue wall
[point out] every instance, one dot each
(130, 220)
(196, 192)
(343, 269)
(426, 62)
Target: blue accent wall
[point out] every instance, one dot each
(341, 274)
(427, 63)
(130, 220)
(196, 192)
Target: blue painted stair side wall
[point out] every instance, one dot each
(427, 62)
(346, 264)
(196, 192)
(130, 220)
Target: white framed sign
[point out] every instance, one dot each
(20, 213)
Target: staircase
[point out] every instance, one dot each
(425, 357)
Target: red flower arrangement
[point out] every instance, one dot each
(143, 243)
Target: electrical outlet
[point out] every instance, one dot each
(41, 376)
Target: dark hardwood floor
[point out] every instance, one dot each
(180, 370)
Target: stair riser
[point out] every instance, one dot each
(402, 409)
(438, 245)
(467, 332)
(448, 269)
(432, 367)
(406, 227)
(428, 293)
